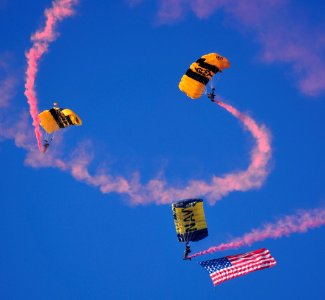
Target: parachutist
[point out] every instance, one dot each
(54, 119)
(189, 222)
(186, 252)
(45, 145)
(212, 95)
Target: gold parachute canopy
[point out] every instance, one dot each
(189, 220)
(200, 72)
(56, 118)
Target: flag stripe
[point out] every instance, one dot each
(249, 254)
(233, 272)
(242, 261)
(237, 274)
(266, 262)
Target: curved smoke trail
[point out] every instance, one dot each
(286, 226)
(41, 39)
(157, 190)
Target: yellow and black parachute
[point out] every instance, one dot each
(190, 220)
(200, 72)
(56, 118)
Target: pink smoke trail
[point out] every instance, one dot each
(158, 191)
(299, 41)
(286, 226)
(257, 171)
(41, 39)
(8, 85)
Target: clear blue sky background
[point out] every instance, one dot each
(119, 70)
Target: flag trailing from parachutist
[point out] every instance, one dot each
(229, 267)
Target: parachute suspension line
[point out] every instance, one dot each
(217, 77)
(205, 91)
(46, 140)
(212, 83)
(187, 243)
(211, 95)
(48, 137)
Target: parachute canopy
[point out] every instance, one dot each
(190, 220)
(56, 118)
(200, 72)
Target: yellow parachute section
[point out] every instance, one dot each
(190, 220)
(200, 72)
(56, 118)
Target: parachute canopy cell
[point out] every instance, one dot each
(56, 118)
(200, 72)
(189, 220)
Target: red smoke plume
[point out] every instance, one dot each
(286, 226)
(41, 39)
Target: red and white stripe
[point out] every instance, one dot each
(243, 264)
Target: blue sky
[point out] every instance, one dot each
(118, 65)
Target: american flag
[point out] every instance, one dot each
(228, 267)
